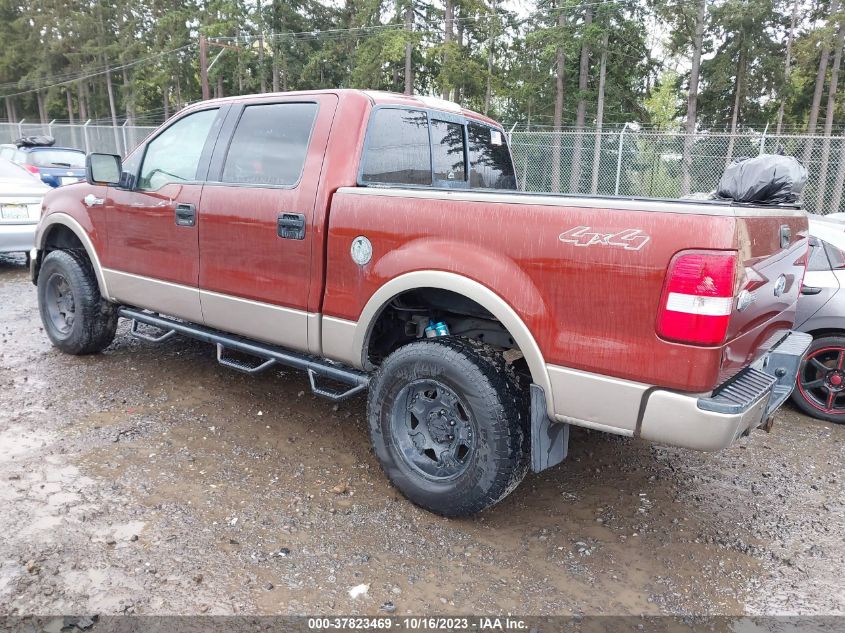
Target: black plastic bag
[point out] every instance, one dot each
(764, 179)
(35, 141)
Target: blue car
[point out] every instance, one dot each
(55, 166)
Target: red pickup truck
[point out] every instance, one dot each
(380, 241)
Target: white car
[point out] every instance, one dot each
(820, 389)
(20, 207)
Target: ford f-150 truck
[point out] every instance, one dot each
(380, 242)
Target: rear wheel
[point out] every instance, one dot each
(447, 421)
(820, 388)
(75, 316)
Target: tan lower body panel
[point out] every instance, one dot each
(338, 337)
(596, 401)
(315, 333)
(153, 294)
(261, 321)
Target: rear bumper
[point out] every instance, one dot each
(741, 404)
(17, 237)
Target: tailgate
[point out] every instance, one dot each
(772, 256)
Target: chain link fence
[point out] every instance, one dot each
(667, 164)
(651, 164)
(109, 139)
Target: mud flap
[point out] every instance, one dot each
(549, 439)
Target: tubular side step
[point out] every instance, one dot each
(233, 363)
(331, 394)
(269, 354)
(148, 337)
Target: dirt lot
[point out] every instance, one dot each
(150, 480)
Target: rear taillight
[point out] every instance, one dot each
(698, 297)
(32, 169)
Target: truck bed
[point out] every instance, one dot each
(590, 307)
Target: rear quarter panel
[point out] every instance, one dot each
(589, 307)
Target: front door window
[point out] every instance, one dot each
(173, 156)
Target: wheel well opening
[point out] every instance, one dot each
(60, 237)
(406, 316)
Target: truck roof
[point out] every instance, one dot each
(375, 97)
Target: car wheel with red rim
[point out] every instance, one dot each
(820, 388)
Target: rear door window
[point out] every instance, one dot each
(447, 151)
(489, 159)
(270, 144)
(398, 149)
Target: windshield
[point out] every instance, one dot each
(58, 158)
(11, 170)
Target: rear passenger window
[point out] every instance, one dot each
(270, 144)
(489, 159)
(398, 150)
(447, 149)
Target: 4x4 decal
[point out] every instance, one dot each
(629, 239)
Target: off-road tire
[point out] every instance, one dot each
(95, 319)
(498, 409)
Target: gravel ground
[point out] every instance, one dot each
(150, 480)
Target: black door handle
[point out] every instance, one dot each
(291, 226)
(810, 290)
(186, 214)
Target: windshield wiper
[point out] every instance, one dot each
(60, 165)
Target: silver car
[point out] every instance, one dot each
(20, 207)
(820, 388)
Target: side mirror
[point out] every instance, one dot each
(103, 169)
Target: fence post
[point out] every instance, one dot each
(763, 139)
(50, 127)
(20, 128)
(85, 134)
(619, 160)
(125, 144)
